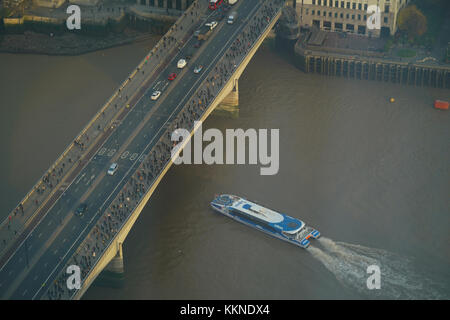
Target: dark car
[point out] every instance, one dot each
(197, 44)
(81, 209)
(172, 76)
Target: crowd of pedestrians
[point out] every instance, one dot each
(129, 197)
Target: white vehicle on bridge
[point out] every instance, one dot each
(113, 168)
(232, 17)
(211, 24)
(198, 69)
(181, 63)
(231, 2)
(155, 95)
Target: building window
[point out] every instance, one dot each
(313, 12)
(318, 12)
(347, 16)
(353, 6)
(342, 4)
(359, 17)
(335, 15)
(365, 7)
(314, 2)
(365, 17)
(324, 13)
(342, 16)
(324, 2)
(320, 2)
(385, 19)
(348, 5)
(336, 4)
(386, 8)
(353, 17)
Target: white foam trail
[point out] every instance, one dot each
(399, 280)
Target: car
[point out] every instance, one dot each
(232, 17)
(197, 44)
(81, 209)
(155, 95)
(198, 69)
(211, 24)
(196, 33)
(181, 63)
(172, 76)
(113, 168)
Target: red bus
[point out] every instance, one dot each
(213, 4)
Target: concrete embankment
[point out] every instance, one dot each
(40, 33)
(367, 65)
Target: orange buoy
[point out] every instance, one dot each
(392, 100)
(442, 105)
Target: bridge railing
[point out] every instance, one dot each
(123, 206)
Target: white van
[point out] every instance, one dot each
(232, 1)
(181, 63)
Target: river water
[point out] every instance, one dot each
(372, 176)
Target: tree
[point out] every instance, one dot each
(412, 21)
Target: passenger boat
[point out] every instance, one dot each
(275, 223)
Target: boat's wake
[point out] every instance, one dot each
(399, 280)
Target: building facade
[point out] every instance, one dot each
(354, 16)
(11, 3)
(49, 3)
(166, 4)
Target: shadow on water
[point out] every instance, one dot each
(399, 279)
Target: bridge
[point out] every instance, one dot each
(43, 235)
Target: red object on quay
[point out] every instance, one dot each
(442, 105)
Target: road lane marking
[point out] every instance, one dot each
(81, 177)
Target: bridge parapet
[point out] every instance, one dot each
(99, 246)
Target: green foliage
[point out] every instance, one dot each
(406, 53)
(412, 21)
(388, 45)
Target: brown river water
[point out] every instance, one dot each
(372, 176)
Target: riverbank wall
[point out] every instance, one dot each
(370, 67)
(44, 35)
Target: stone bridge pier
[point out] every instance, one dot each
(116, 264)
(232, 99)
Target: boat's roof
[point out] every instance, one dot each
(280, 220)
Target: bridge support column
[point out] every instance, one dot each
(230, 103)
(232, 99)
(116, 264)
